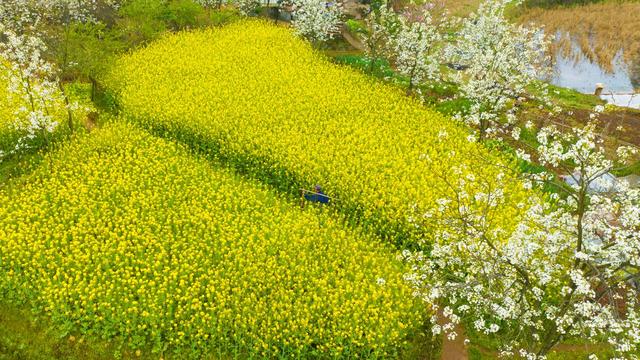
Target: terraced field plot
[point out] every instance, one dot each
(263, 101)
(125, 236)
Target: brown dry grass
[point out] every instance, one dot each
(452, 8)
(460, 8)
(601, 29)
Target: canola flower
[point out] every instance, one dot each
(123, 235)
(264, 101)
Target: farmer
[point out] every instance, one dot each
(317, 195)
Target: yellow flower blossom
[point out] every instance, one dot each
(128, 235)
(263, 101)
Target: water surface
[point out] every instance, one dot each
(576, 71)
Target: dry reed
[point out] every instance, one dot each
(601, 30)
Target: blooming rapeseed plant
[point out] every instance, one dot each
(257, 97)
(6, 115)
(119, 234)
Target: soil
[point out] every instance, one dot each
(609, 122)
(91, 121)
(454, 349)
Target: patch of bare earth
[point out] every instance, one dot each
(622, 124)
(454, 349)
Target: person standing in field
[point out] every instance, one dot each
(317, 195)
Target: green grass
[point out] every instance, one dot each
(563, 352)
(547, 4)
(23, 336)
(379, 69)
(16, 166)
(443, 97)
(633, 169)
(571, 99)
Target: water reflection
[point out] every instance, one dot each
(574, 70)
(577, 72)
(625, 100)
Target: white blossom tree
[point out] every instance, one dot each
(23, 15)
(51, 22)
(415, 48)
(376, 33)
(16, 14)
(500, 60)
(208, 4)
(246, 7)
(67, 11)
(32, 87)
(569, 269)
(316, 20)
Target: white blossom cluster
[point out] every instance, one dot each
(31, 83)
(569, 269)
(246, 7)
(500, 60)
(207, 3)
(68, 10)
(415, 48)
(18, 14)
(316, 20)
(14, 14)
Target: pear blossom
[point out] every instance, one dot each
(31, 82)
(316, 20)
(246, 7)
(376, 33)
(499, 60)
(570, 269)
(415, 48)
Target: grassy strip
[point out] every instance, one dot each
(24, 336)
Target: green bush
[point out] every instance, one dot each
(141, 21)
(182, 14)
(355, 26)
(222, 16)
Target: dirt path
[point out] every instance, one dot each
(454, 349)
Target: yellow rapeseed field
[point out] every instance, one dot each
(123, 235)
(264, 101)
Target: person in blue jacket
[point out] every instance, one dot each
(317, 196)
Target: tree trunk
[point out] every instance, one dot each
(410, 88)
(68, 106)
(94, 88)
(372, 62)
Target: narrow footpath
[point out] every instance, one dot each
(454, 349)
